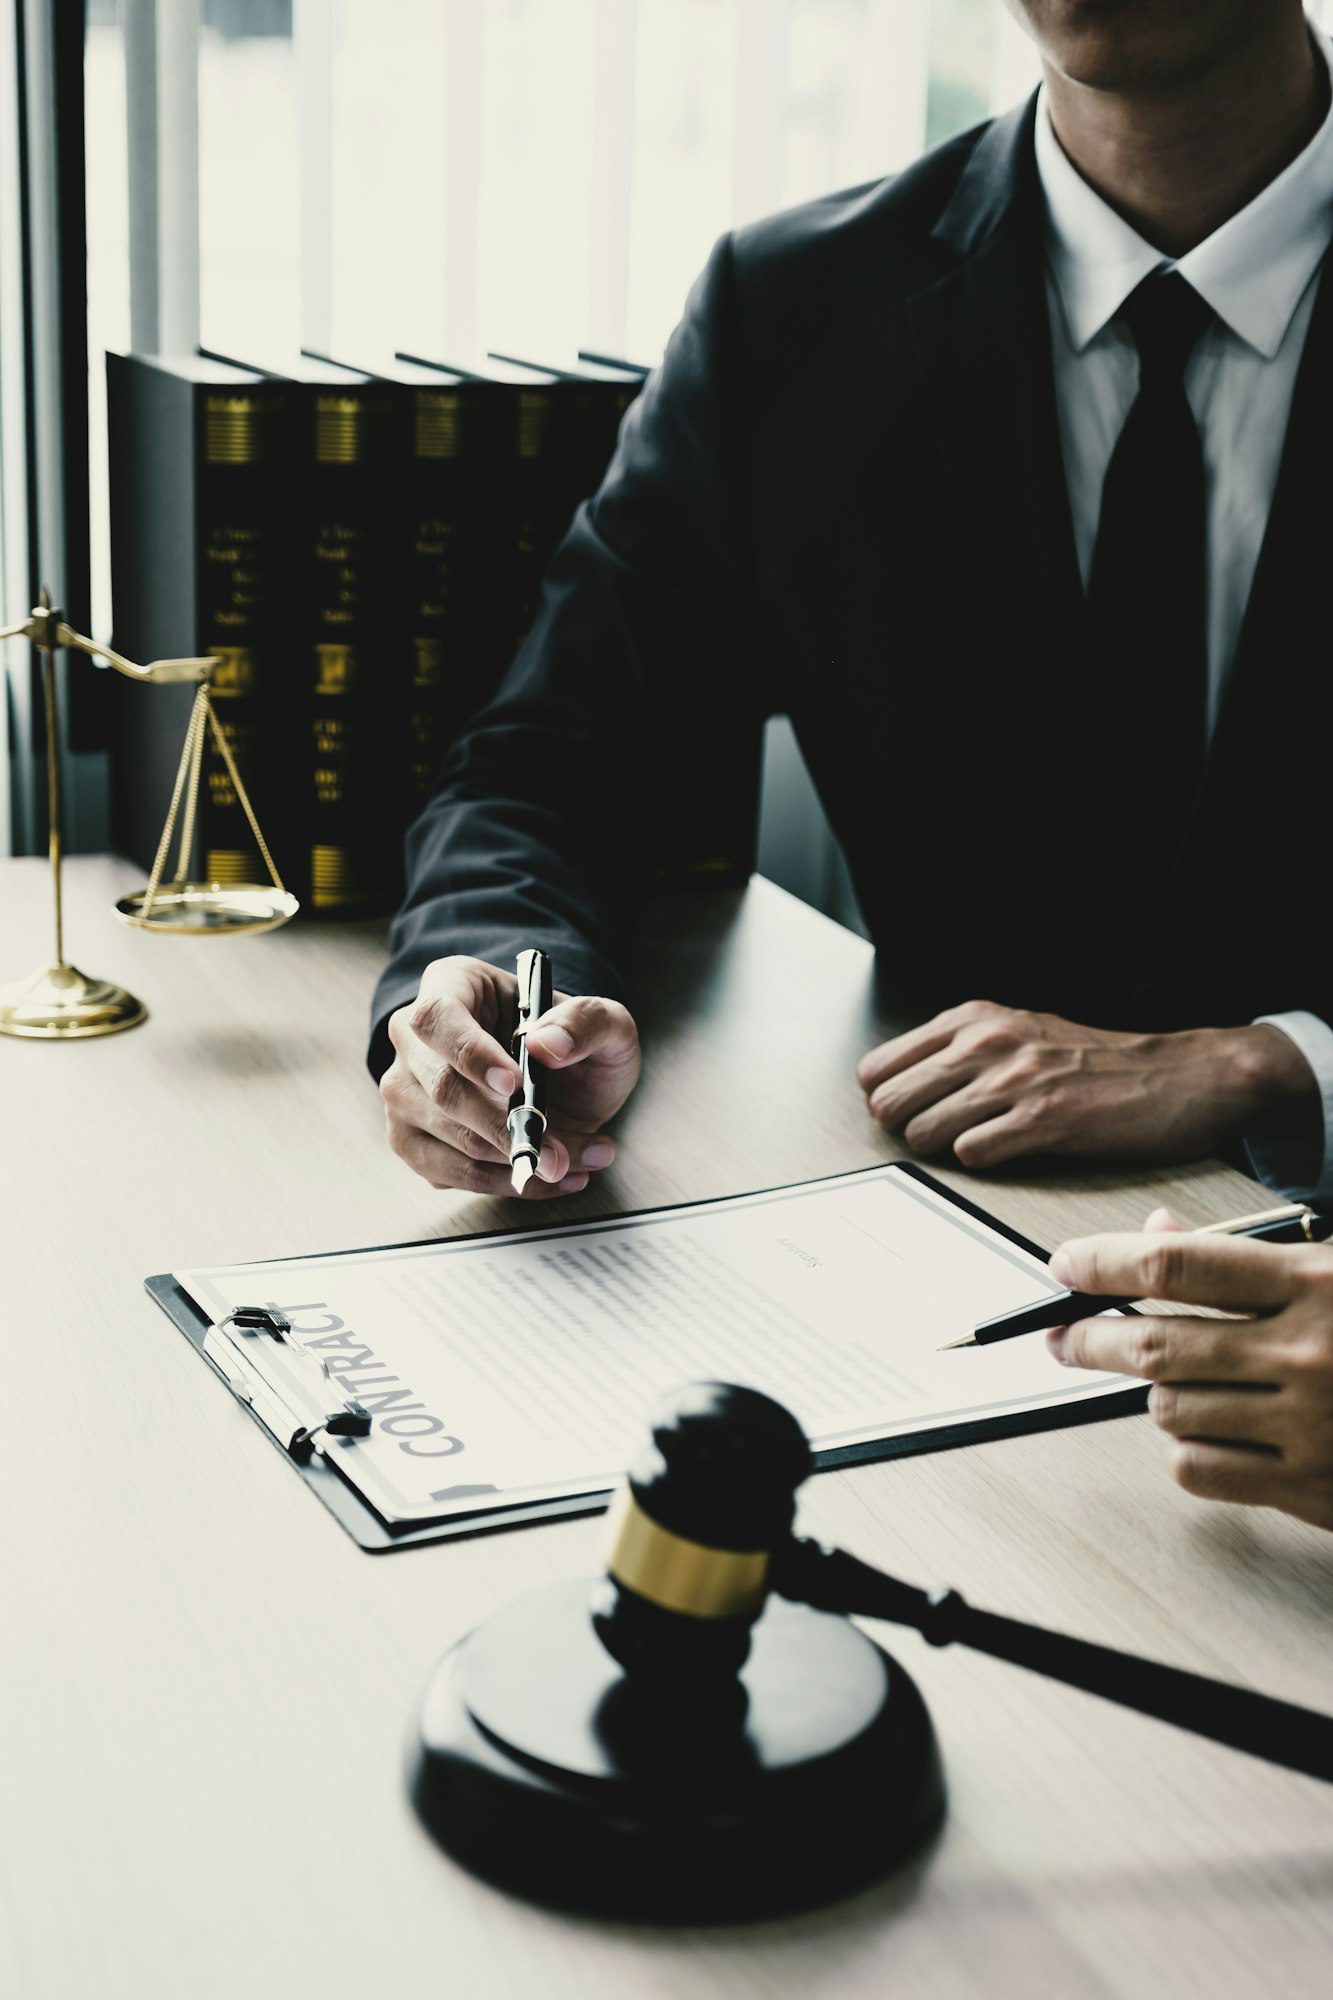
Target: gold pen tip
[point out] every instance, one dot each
(521, 1171)
(968, 1340)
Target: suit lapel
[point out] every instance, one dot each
(983, 347)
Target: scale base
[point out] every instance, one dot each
(61, 1004)
(540, 1767)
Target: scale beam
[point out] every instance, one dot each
(58, 1002)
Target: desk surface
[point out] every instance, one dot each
(207, 1687)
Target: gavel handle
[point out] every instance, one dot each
(831, 1580)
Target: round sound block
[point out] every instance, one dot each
(541, 1767)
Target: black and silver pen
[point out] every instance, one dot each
(1294, 1222)
(527, 1106)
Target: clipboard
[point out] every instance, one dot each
(285, 1427)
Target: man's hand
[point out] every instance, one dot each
(1250, 1403)
(994, 1083)
(446, 1093)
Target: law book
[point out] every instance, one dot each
(202, 552)
(607, 390)
(450, 433)
(353, 700)
(542, 424)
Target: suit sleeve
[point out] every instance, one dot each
(555, 808)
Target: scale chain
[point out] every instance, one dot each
(193, 731)
(202, 715)
(224, 748)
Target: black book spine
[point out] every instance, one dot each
(350, 626)
(201, 556)
(244, 595)
(452, 665)
(558, 461)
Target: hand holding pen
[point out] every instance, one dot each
(448, 1090)
(1248, 1403)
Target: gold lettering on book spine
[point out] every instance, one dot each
(534, 422)
(227, 864)
(237, 429)
(339, 430)
(437, 431)
(330, 876)
(235, 671)
(335, 669)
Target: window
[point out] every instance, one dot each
(529, 175)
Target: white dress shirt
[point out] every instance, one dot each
(1259, 272)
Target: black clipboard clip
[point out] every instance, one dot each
(344, 1418)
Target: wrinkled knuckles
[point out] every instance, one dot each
(445, 1087)
(1090, 1269)
(464, 1175)
(1148, 1353)
(1161, 1270)
(990, 1037)
(465, 1140)
(460, 1050)
(423, 1017)
(1035, 1110)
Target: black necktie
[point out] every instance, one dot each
(1147, 597)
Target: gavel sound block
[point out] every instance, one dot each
(666, 1743)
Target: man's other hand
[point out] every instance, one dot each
(1249, 1403)
(994, 1083)
(446, 1093)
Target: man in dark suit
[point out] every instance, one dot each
(978, 474)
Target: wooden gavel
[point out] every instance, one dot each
(701, 1732)
(704, 1535)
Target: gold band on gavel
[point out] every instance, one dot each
(681, 1575)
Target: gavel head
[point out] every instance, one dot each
(707, 1504)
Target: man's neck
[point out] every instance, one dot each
(1178, 162)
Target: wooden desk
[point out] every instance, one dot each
(206, 1686)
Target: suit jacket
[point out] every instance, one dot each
(841, 497)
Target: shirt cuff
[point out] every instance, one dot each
(1301, 1171)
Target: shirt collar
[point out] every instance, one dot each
(1252, 271)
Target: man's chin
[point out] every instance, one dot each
(1121, 46)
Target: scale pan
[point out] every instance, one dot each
(209, 909)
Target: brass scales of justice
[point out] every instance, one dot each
(58, 1003)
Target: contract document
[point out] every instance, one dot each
(504, 1369)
